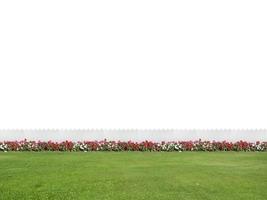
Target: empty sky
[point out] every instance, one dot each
(133, 64)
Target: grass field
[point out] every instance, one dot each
(133, 175)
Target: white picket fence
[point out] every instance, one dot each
(134, 135)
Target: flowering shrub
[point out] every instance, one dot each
(105, 145)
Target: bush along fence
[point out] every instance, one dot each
(105, 145)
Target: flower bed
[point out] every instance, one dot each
(105, 145)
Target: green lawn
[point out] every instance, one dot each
(133, 175)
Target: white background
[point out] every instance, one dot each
(133, 64)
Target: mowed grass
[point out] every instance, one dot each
(133, 175)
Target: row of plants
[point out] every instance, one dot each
(105, 145)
